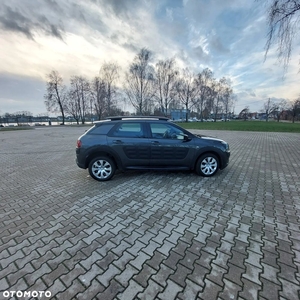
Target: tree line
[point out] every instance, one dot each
(149, 87)
(277, 109)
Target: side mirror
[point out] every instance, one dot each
(186, 138)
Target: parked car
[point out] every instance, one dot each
(147, 143)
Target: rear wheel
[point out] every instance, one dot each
(207, 165)
(102, 168)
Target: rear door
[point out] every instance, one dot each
(129, 141)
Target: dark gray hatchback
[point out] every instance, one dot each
(147, 143)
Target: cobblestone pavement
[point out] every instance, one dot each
(149, 235)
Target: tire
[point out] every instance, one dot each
(102, 168)
(207, 165)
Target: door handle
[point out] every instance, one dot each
(155, 142)
(117, 142)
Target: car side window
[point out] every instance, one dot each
(101, 129)
(133, 129)
(166, 131)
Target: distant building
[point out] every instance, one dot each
(177, 114)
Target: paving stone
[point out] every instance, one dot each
(210, 291)
(21, 285)
(88, 250)
(68, 278)
(128, 272)
(270, 273)
(28, 258)
(230, 290)
(234, 274)
(286, 257)
(140, 259)
(205, 259)
(131, 291)
(7, 261)
(172, 260)
(151, 291)
(252, 273)
(56, 287)
(250, 290)
(123, 260)
(254, 258)
(51, 277)
(170, 291)
(135, 249)
(91, 291)
(165, 248)
(232, 235)
(106, 261)
(191, 290)
(76, 258)
(108, 275)
(73, 290)
(221, 259)
(110, 292)
(14, 277)
(288, 273)
(180, 275)
(270, 290)
(92, 273)
(143, 276)
(181, 248)
(238, 259)
(198, 274)
(189, 259)
(216, 274)
(162, 275)
(290, 290)
(156, 260)
(4, 284)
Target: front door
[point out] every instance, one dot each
(168, 146)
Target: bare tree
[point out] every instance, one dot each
(295, 109)
(109, 74)
(139, 82)
(203, 81)
(55, 97)
(269, 107)
(98, 93)
(227, 99)
(244, 113)
(186, 90)
(218, 92)
(72, 105)
(283, 17)
(166, 75)
(80, 93)
(281, 106)
(22, 117)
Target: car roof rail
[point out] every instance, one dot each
(116, 118)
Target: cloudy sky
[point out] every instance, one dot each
(75, 37)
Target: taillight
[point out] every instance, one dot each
(78, 144)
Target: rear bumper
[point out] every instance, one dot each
(80, 165)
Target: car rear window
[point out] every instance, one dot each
(128, 129)
(101, 129)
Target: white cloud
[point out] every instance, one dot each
(76, 37)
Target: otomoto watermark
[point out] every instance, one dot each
(26, 294)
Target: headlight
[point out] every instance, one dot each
(226, 145)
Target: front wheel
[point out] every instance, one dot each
(207, 165)
(102, 168)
